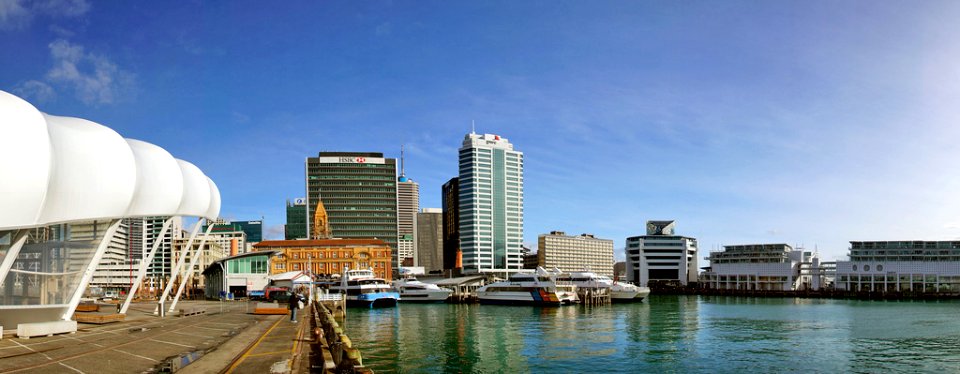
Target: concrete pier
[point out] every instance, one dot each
(215, 337)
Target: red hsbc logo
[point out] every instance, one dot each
(353, 159)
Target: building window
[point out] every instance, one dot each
(879, 267)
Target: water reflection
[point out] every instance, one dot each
(665, 334)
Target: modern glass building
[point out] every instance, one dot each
(901, 266)
(253, 229)
(491, 204)
(776, 267)
(451, 222)
(296, 227)
(430, 239)
(661, 256)
(359, 192)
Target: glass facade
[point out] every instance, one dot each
(296, 227)
(490, 204)
(48, 270)
(253, 229)
(249, 265)
(359, 193)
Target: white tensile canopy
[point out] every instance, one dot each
(63, 170)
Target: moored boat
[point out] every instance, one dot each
(363, 288)
(619, 292)
(540, 288)
(413, 290)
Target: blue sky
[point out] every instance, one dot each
(809, 123)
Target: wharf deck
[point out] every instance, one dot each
(140, 343)
(98, 318)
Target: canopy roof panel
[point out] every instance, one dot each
(66, 169)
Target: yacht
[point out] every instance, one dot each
(411, 289)
(619, 292)
(363, 288)
(537, 288)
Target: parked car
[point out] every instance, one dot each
(279, 294)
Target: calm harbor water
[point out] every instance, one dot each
(663, 334)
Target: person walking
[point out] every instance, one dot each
(295, 302)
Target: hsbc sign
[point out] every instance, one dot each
(352, 160)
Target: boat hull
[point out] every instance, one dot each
(424, 297)
(374, 300)
(628, 296)
(535, 298)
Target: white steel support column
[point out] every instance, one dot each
(142, 272)
(183, 257)
(12, 253)
(88, 273)
(189, 273)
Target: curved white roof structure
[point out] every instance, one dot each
(64, 169)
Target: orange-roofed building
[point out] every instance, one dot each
(329, 256)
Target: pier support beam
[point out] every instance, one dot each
(12, 253)
(142, 271)
(91, 267)
(180, 261)
(189, 272)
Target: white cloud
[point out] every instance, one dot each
(13, 15)
(62, 8)
(274, 232)
(95, 79)
(18, 14)
(36, 90)
(383, 29)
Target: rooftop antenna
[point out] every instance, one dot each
(402, 173)
(473, 127)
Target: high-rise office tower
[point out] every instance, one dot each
(359, 192)
(296, 227)
(430, 239)
(142, 233)
(451, 223)
(491, 204)
(408, 203)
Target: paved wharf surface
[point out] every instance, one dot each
(211, 342)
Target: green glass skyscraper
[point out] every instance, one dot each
(359, 192)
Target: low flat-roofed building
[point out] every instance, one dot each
(769, 267)
(238, 274)
(898, 266)
(329, 256)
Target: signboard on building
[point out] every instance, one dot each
(352, 160)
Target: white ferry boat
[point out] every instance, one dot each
(540, 288)
(363, 288)
(619, 292)
(413, 290)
